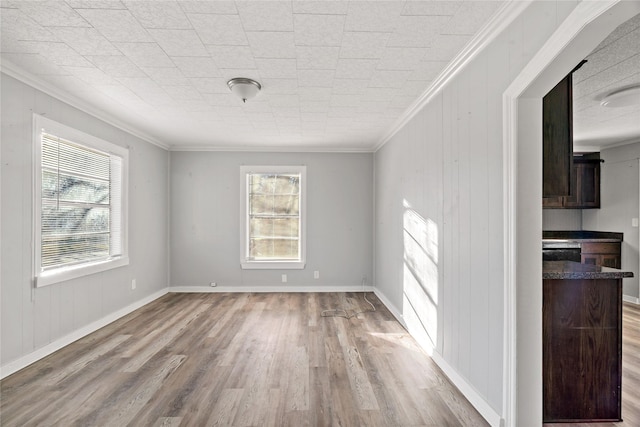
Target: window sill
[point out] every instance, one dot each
(68, 273)
(272, 265)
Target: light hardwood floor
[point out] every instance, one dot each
(630, 372)
(240, 360)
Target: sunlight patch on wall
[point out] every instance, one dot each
(420, 277)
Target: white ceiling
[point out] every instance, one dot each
(336, 75)
(613, 65)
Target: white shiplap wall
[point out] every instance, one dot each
(33, 319)
(447, 164)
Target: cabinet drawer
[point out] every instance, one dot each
(600, 248)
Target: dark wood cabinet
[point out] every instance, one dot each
(602, 254)
(582, 350)
(585, 184)
(558, 174)
(557, 139)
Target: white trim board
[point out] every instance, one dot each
(478, 402)
(269, 289)
(40, 353)
(392, 308)
(632, 300)
(271, 149)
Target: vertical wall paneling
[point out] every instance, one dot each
(467, 116)
(35, 318)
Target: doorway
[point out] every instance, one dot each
(586, 26)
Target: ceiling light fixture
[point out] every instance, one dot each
(244, 88)
(625, 97)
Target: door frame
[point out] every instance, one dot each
(585, 27)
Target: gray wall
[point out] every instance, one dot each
(562, 219)
(32, 318)
(444, 169)
(205, 219)
(620, 203)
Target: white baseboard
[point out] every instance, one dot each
(42, 352)
(392, 308)
(633, 300)
(259, 289)
(478, 402)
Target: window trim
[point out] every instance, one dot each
(249, 264)
(61, 274)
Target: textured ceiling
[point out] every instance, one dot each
(613, 65)
(336, 75)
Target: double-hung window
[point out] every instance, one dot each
(80, 219)
(273, 214)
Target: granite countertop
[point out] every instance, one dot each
(582, 236)
(574, 271)
(593, 240)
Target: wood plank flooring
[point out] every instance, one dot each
(240, 360)
(630, 372)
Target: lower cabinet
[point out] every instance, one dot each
(602, 254)
(582, 350)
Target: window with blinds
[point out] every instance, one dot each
(80, 209)
(273, 211)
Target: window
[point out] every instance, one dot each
(80, 203)
(273, 208)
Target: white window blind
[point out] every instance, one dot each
(76, 206)
(80, 208)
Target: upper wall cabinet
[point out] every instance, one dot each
(558, 175)
(585, 185)
(557, 140)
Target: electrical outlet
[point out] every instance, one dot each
(634, 222)
(316, 274)
(133, 284)
(284, 278)
(213, 284)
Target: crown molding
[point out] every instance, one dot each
(12, 70)
(271, 149)
(634, 140)
(496, 25)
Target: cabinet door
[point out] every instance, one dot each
(607, 254)
(588, 176)
(575, 199)
(610, 260)
(552, 202)
(581, 350)
(593, 259)
(557, 139)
